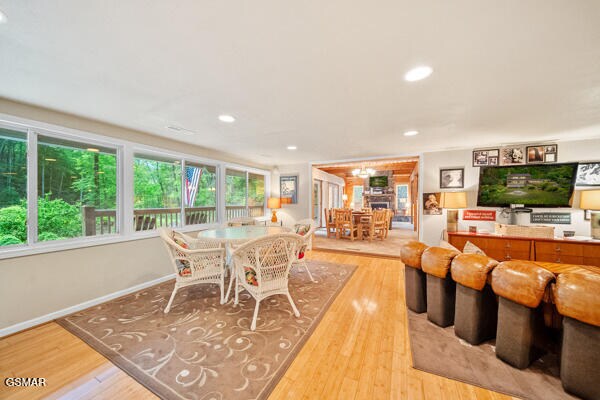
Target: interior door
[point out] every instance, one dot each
(317, 201)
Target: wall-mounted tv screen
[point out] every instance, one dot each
(547, 185)
(378, 181)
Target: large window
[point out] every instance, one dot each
(402, 200)
(75, 180)
(61, 188)
(157, 192)
(256, 195)
(13, 187)
(200, 194)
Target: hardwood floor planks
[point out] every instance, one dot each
(360, 350)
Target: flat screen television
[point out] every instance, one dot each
(378, 181)
(543, 185)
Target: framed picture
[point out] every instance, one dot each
(551, 153)
(588, 174)
(535, 154)
(288, 188)
(587, 215)
(483, 158)
(431, 204)
(512, 155)
(452, 178)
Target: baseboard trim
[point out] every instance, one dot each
(21, 326)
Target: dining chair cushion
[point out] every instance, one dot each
(180, 241)
(301, 229)
(300, 255)
(250, 276)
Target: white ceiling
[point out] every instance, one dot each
(326, 76)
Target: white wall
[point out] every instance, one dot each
(290, 213)
(432, 226)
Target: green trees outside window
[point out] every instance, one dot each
(13, 187)
(72, 175)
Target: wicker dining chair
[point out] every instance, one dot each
(194, 261)
(262, 267)
(305, 229)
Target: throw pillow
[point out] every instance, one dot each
(470, 248)
(446, 245)
(180, 241)
(250, 276)
(183, 267)
(302, 229)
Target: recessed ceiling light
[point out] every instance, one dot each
(411, 133)
(418, 73)
(226, 118)
(292, 147)
(3, 18)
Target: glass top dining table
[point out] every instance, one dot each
(241, 234)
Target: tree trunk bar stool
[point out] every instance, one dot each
(414, 277)
(577, 298)
(476, 311)
(441, 289)
(521, 286)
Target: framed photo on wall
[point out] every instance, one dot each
(483, 158)
(535, 154)
(551, 153)
(512, 155)
(288, 188)
(452, 178)
(588, 174)
(431, 203)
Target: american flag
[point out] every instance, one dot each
(192, 177)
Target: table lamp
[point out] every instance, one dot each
(345, 199)
(452, 201)
(274, 203)
(590, 200)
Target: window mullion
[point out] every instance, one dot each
(127, 192)
(183, 195)
(32, 195)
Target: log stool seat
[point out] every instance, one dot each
(577, 298)
(414, 277)
(441, 289)
(476, 310)
(520, 286)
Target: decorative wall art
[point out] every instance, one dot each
(512, 155)
(452, 178)
(288, 189)
(588, 174)
(483, 158)
(431, 204)
(542, 154)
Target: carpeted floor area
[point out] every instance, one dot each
(438, 351)
(390, 247)
(204, 350)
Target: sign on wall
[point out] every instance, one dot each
(479, 215)
(551, 218)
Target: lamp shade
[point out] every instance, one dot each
(274, 202)
(454, 200)
(590, 200)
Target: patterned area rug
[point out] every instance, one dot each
(204, 350)
(438, 351)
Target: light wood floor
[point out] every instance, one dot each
(360, 350)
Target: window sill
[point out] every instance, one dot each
(79, 243)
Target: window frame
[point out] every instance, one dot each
(125, 154)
